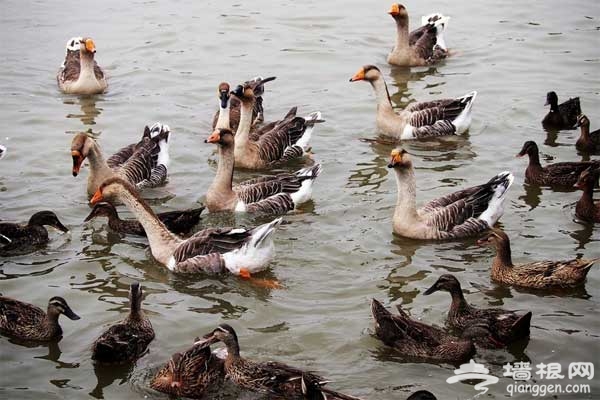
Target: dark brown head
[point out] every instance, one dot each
(102, 210)
(80, 149)
(222, 137)
(258, 84)
(244, 93)
(588, 179)
(551, 100)
(224, 94)
(47, 218)
(447, 282)
(368, 73)
(422, 395)
(399, 158)
(496, 237)
(223, 333)
(135, 296)
(57, 305)
(110, 190)
(398, 12)
(530, 148)
(582, 120)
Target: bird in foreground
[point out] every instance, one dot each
(588, 142)
(27, 322)
(178, 222)
(267, 194)
(424, 46)
(586, 209)
(127, 340)
(465, 213)
(488, 327)
(416, 340)
(537, 274)
(441, 117)
(215, 250)
(79, 72)
(14, 236)
(557, 174)
(561, 116)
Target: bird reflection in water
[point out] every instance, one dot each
(89, 111)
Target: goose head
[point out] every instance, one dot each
(223, 137)
(81, 146)
(398, 12)
(447, 282)
(400, 159)
(367, 73)
(57, 305)
(87, 47)
(244, 93)
(47, 218)
(224, 94)
(111, 189)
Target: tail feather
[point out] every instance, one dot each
(500, 184)
(463, 121)
(305, 192)
(263, 232)
(310, 121)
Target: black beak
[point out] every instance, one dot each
(70, 314)
(432, 289)
(238, 92)
(547, 103)
(390, 165)
(224, 96)
(206, 340)
(58, 225)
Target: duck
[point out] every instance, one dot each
(417, 340)
(273, 378)
(424, 46)
(312, 389)
(561, 116)
(557, 174)
(143, 164)
(465, 213)
(228, 115)
(422, 395)
(179, 222)
(588, 142)
(2, 151)
(285, 140)
(586, 209)
(488, 327)
(239, 251)
(79, 72)
(125, 341)
(191, 373)
(419, 120)
(15, 236)
(268, 194)
(537, 274)
(27, 322)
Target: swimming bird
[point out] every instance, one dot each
(588, 142)
(79, 72)
(15, 236)
(561, 116)
(586, 209)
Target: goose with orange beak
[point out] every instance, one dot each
(79, 72)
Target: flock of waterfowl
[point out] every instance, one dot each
(243, 140)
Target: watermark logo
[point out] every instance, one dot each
(474, 371)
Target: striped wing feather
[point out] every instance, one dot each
(429, 115)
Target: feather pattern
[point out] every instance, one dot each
(79, 72)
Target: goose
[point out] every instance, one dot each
(537, 274)
(228, 115)
(465, 213)
(557, 174)
(561, 116)
(424, 46)
(28, 322)
(269, 194)
(586, 209)
(14, 236)
(288, 138)
(215, 250)
(125, 341)
(80, 73)
(588, 142)
(441, 117)
(143, 164)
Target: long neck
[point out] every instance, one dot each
(402, 43)
(459, 304)
(503, 257)
(87, 65)
(406, 209)
(98, 165)
(585, 131)
(223, 120)
(135, 312)
(384, 104)
(222, 183)
(243, 131)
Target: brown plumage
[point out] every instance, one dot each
(14, 236)
(557, 174)
(416, 340)
(538, 274)
(586, 209)
(561, 116)
(588, 142)
(127, 340)
(80, 73)
(488, 327)
(179, 222)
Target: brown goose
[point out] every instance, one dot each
(416, 340)
(15, 236)
(269, 194)
(424, 46)
(143, 164)
(557, 174)
(228, 115)
(588, 142)
(287, 139)
(461, 214)
(80, 73)
(237, 250)
(537, 274)
(419, 120)
(586, 209)
(561, 116)
(179, 222)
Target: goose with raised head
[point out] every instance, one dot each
(269, 194)
(561, 116)
(465, 213)
(417, 340)
(79, 72)
(25, 321)
(538, 274)
(586, 209)
(215, 250)
(418, 120)
(488, 327)
(588, 142)
(125, 341)
(143, 164)
(179, 222)
(14, 236)
(557, 174)
(423, 46)
(283, 141)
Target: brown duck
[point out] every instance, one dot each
(561, 116)
(488, 327)
(557, 174)
(416, 340)
(538, 274)
(15, 236)
(588, 142)
(586, 209)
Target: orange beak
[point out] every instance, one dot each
(395, 158)
(77, 161)
(97, 197)
(394, 10)
(90, 46)
(244, 273)
(359, 76)
(214, 137)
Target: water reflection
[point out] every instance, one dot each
(106, 375)
(583, 236)
(402, 76)
(532, 196)
(87, 104)
(54, 354)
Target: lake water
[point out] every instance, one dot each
(164, 63)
